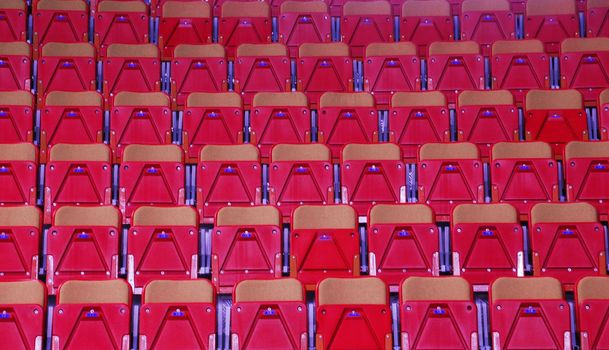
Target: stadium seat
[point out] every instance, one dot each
(487, 242)
(92, 314)
(324, 242)
(62, 21)
(586, 170)
(486, 117)
(79, 175)
(20, 232)
(596, 18)
(353, 313)
(83, 244)
(426, 21)
(151, 174)
(556, 117)
(197, 68)
(15, 69)
(449, 174)
(346, 118)
(371, 174)
(523, 174)
(486, 22)
(23, 306)
(592, 300)
(261, 68)
(583, 64)
(389, 68)
(322, 68)
(365, 22)
(438, 313)
(551, 21)
(178, 315)
(227, 175)
(269, 314)
(300, 174)
(567, 241)
(303, 22)
(277, 118)
(120, 22)
(417, 118)
(18, 168)
(519, 66)
(13, 20)
(402, 241)
(455, 66)
(244, 22)
(603, 114)
(134, 68)
(183, 22)
(16, 116)
(245, 244)
(529, 313)
(162, 243)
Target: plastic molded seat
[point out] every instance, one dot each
(246, 244)
(403, 241)
(584, 66)
(120, 22)
(353, 313)
(15, 70)
(438, 313)
(244, 22)
(162, 243)
(134, 68)
(567, 241)
(178, 315)
(77, 174)
(587, 174)
(596, 19)
(227, 175)
(92, 314)
(184, 23)
(551, 21)
(13, 20)
(603, 114)
(83, 244)
(23, 304)
(529, 312)
(62, 21)
(16, 116)
(18, 168)
(365, 22)
(303, 22)
(486, 22)
(324, 242)
(425, 22)
(20, 232)
(300, 174)
(66, 67)
(592, 300)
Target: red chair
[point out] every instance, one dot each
(211, 119)
(353, 313)
(592, 300)
(13, 20)
(523, 174)
(603, 114)
(24, 305)
(567, 241)
(83, 244)
(228, 175)
(403, 240)
(269, 314)
(15, 66)
(584, 63)
(322, 68)
(417, 118)
(595, 20)
(438, 313)
(324, 242)
(120, 22)
(486, 242)
(365, 22)
(389, 68)
(300, 174)
(346, 118)
(303, 22)
(426, 21)
(66, 67)
(261, 68)
(556, 117)
(162, 243)
(20, 232)
(197, 68)
(178, 315)
(246, 244)
(277, 118)
(551, 21)
(449, 174)
(529, 313)
(519, 66)
(151, 174)
(244, 22)
(18, 167)
(77, 175)
(184, 23)
(134, 68)
(16, 116)
(486, 22)
(60, 21)
(92, 314)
